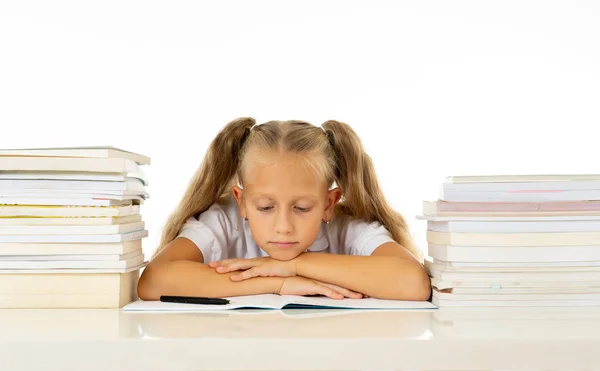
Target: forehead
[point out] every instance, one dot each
(282, 175)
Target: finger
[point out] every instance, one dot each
(344, 291)
(236, 265)
(329, 292)
(337, 288)
(219, 263)
(350, 294)
(253, 272)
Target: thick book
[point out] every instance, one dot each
(52, 283)
(275, 302)
(522, 178)
(510, 217)
(68, 301)
(515, 300)
(547, 186)
(524, 285)
(64, 211)
(24, 248)
(14, 230)
(107, 200)
(80, 164)
(520, 196)
(58, 221)
(481, 254)
(72, 257)
(547, 290)
(68, 291)
(74, 175)
(500, 226)
(24, 265)
(42, 271)
(72, 193)
(441, 207)
(94, 152)
(514, 239)
(501, 279)
(515, 267)
(75, 238)
(130, 185)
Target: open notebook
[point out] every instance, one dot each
(272, 301)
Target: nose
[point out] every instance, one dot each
(283, 223)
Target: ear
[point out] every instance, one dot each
(333, 196)
(238, 193)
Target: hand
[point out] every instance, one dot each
(257, 267)
(305, 286)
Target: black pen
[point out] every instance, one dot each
(193, 300)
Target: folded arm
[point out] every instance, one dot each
(179, 270)
(391, 272)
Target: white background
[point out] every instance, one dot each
(433, 88)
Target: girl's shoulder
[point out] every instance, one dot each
(218, 231)
(358, 236)
(222, 214)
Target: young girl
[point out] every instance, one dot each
(286, 208)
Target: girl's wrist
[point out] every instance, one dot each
(277, 284)
(299, 263)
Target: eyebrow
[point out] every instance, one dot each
(309, 197)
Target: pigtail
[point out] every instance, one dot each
(213, 179)
(363, 197)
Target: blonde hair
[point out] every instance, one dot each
(343, 161)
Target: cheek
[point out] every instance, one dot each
(309, 230)
(313, 234)
(308, 224)
(258, 228)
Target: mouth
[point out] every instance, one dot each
(283, 244)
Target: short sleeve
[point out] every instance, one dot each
(363, 238)
(209, 233)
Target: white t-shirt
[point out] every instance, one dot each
(221, 233)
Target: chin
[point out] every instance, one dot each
(283, 255)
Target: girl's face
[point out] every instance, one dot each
(285, 203)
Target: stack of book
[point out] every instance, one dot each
(70, 227)
(528, 240)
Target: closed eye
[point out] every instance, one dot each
(267, 208)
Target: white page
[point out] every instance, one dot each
(265, 301)
(272, 301)
(368, 303)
